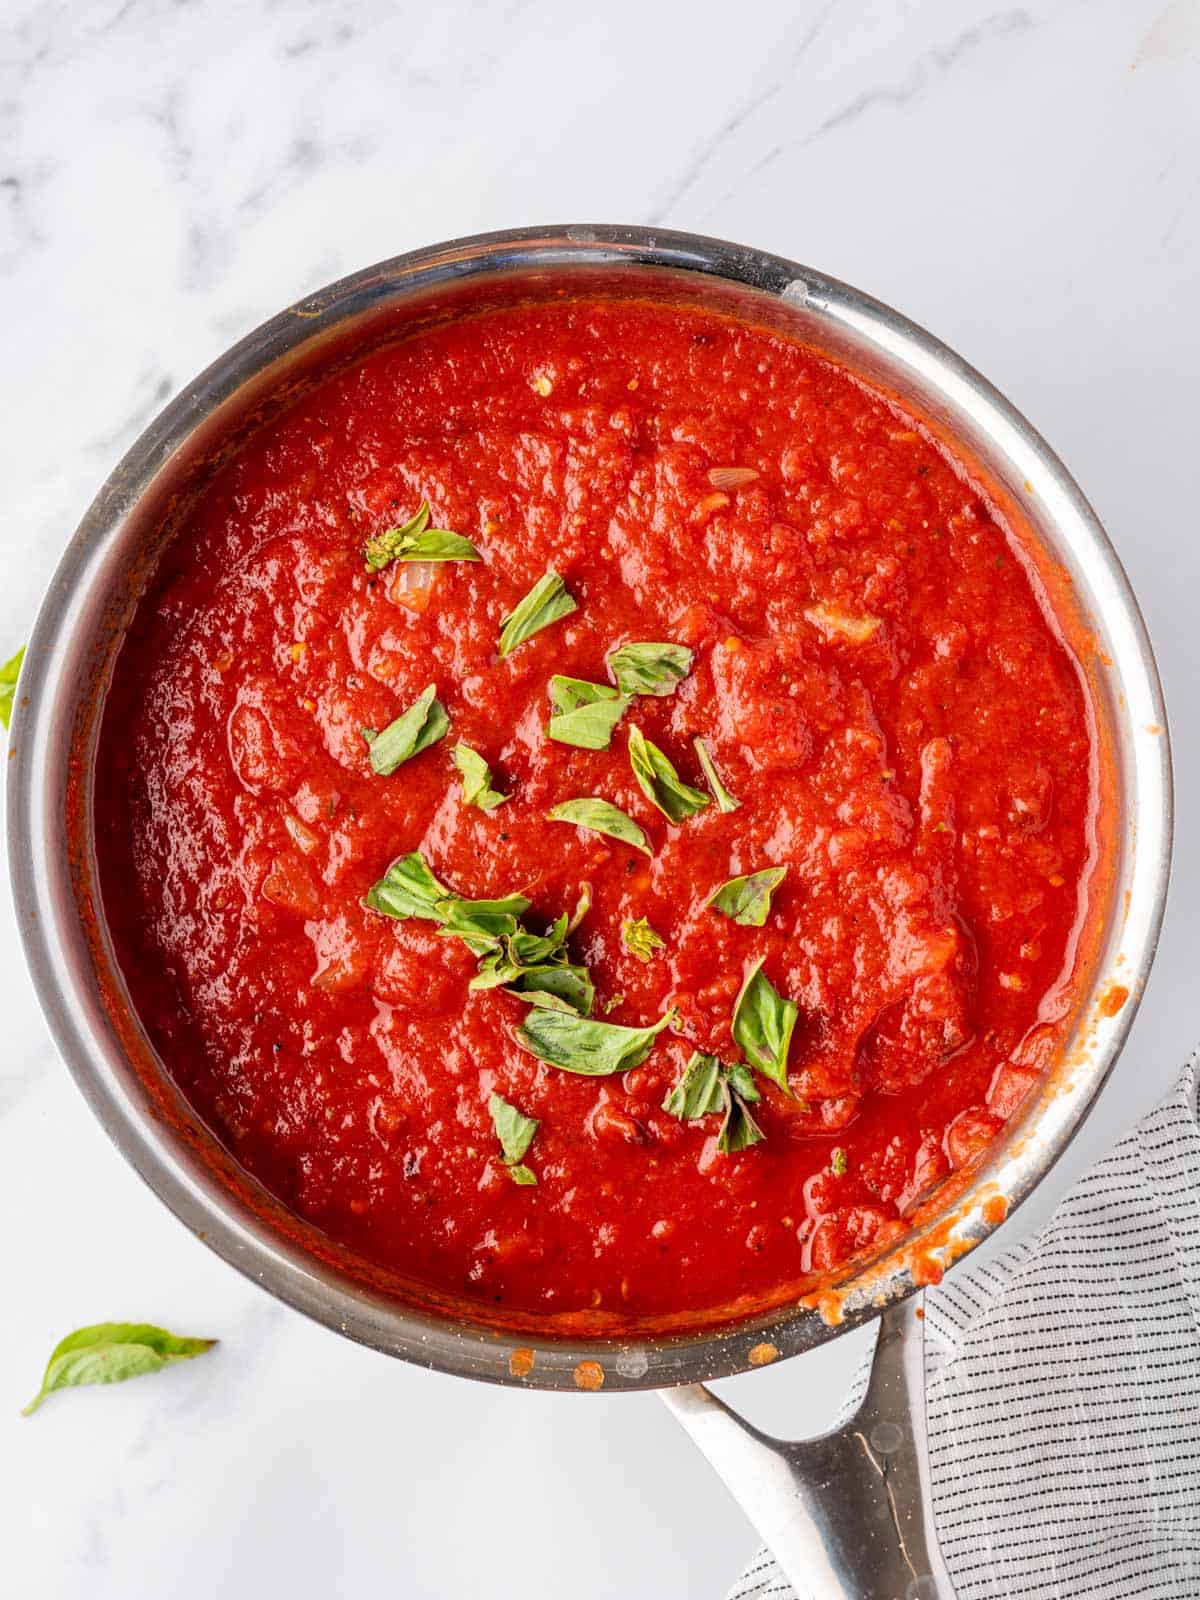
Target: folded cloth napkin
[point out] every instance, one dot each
(1064, 1391)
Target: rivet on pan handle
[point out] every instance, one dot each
(848, 1515)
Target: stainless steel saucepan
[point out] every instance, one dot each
(848, 1514)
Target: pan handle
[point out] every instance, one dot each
(848, 1515)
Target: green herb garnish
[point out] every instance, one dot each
(698, 1092)
(599, 817)
(725, 801)
(748, 900)
(409, 889)
(640, 939)
(650, 668)
(476, 779)
(423, 724)
(762, 1024)
(709, 1085)
(585, 714)
(536, 967)
(415, 540)
(839, 1163)
(659, 781)
(545, 603)
(593, 1049)
(110, 1352)
(9, 673)
(515, 1132)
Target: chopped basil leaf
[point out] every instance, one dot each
(600, 817)
(514, 1130)
(545, 603)
(593, 1049)
(585, 713)
(707, 1086)
(659, 781)
(839, 1162)
(762, 1024)
(527, 949)
(641, 940)
(582, 906)
(415, 540)
(650, 668)
(110, 1352)
(520, 1174)
(699, 1090)
(739, 1130)
(482, 921)
(408, 889)
(423, 724)
(535, 967)
(748, 900)
(612, 1003)
(476, 779)
(556, 988)
(9, 673)
(725, 801)
(741, 1079)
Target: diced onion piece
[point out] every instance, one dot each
(301, 835)
(703, 509)
(733, 477)
(842, 624)
(290, 888)
(412, 584)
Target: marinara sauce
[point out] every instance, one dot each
(880, 682)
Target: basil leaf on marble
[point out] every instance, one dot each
(640, 939)
(593, 1049)
(599, 817)
(748, 900)
(476, 779)
(660, 782)
(9, 673)
(423, 724)
(546, 602)
(110, 1352)
(585, 714)
(415, 540)
(725, 801)
(650, 668)
(762, 1024)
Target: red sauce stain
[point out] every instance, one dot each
(520, 1363)
(1113, 999)
(995, 1209)
(851, 602)
(589, 1375)
(926, 1271)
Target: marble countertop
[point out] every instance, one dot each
(1020, 178)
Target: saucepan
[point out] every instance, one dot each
(848, 1514)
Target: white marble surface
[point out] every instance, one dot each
(1023, 179)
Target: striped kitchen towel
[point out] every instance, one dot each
(1064, 1391)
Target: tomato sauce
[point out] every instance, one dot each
(880, 681)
